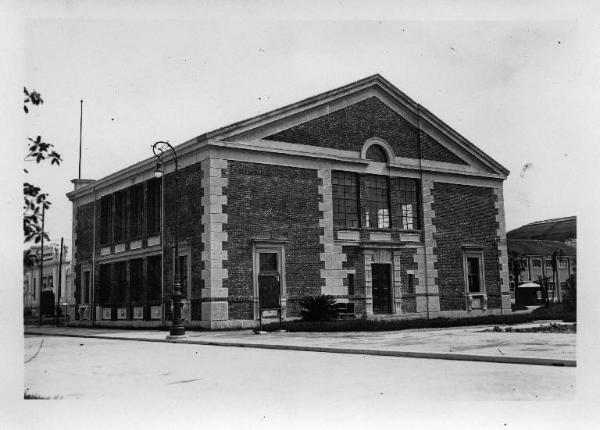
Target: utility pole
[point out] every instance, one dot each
(41, 267)
(60, 260)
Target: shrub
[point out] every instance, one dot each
(543, 313)
(318, 308)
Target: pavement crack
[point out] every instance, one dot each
(36, 353)
(184, 381)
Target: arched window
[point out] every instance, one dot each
(376, 153)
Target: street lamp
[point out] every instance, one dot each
(177, 330)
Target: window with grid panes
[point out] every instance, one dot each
(104, 295)
(136, 212)
(377, 207)
(345, 199)
(106, 222)
(121, 281)
(120, 216)
(154, 277)
(408, 205)
(136, 280)
(154, 206)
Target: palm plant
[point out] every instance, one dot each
(318, 308)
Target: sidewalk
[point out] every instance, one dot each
(457, 343)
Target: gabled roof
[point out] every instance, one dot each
(538, 247)
(560, 229)
(374, 81)
(371, 81)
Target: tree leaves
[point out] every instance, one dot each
(34, 200)
(39, 151)
(33, 97)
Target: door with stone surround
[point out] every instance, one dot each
(382, 295)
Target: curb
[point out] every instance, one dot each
(385, 353)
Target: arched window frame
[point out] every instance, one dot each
(387, 149)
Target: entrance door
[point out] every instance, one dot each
(382, 300)
(269, 289)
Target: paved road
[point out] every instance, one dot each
(100, 368)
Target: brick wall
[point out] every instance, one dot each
(432, 150)
(349, 128)
(190, 230)
(84, 222)
(274, 202)
(464, 214)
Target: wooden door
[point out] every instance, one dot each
(382, 299)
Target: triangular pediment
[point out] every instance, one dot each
(349, 128)
(344, 119)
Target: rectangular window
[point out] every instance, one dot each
(377, 210)
(536, 262)
(267, 262)
(409, 203)
(473, 270)
(136, 280)
(154, 278)
(345, 199)
(121, 282)
(473, 275)
(154, 198)
(120, 222)
(524, 263)
(562, 264)
(548, 263)
(104, 293)
(136, 212)
(106, 223)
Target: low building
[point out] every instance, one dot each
(536, 245)
(48, 292)
(359, 193)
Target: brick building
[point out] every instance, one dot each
(358, 192)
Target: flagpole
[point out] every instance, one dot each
(80, 128)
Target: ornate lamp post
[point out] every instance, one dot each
(177, 328)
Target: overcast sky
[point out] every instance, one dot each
(512, 87)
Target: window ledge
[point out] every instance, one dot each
(477, 301)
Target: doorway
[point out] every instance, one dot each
(382, 295)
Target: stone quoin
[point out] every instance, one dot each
(359, 193)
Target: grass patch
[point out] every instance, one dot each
(555, 312)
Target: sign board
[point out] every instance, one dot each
(270, 313)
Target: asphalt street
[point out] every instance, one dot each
(84, 368)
